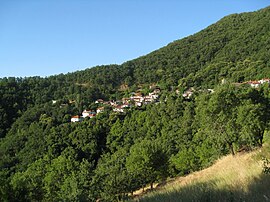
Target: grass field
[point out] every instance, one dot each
(231, 178)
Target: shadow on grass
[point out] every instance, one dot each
(258, 190)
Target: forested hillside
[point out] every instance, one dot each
(45, 157)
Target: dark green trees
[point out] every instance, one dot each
(148, 162)
(233, 116)
(218, 115)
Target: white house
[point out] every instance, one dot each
(125, 105)
(113, 103)
(100, 109)
(99, 101)
(254, 84)
(137, 98)
(87, 113)
(148, 99)
(76, 119)
(264, 81)
(154, 95)
(157, 91)
(210, 90)
(138, 104)
(119, 109)
(188, 93)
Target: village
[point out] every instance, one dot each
(138, 100)
(254, 84)
(257, 84)
(120, 106)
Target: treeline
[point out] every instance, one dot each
(43, 158)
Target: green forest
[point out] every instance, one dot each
(45, 157)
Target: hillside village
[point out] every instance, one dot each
(257, 84)
(138, 100)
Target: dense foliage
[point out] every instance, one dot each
(44, 157)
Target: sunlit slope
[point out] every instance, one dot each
(231, 178)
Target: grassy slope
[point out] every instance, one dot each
(231, 178)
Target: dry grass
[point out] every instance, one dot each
(231, 178)
(227, 170)
(83, 84)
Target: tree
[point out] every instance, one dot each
(67, 179)
(251, 118)
(266, 165)
(148, 161)
(217, 115)
(115, 138)
(112, 179)
(183, 162)
(28, 185)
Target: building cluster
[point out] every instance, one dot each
(189, 92)
(136, 99)
(86, 114)
(256, 84)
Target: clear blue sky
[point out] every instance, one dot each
(47, 37)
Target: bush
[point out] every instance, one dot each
(266, 165)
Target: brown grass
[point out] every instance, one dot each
(231, 178)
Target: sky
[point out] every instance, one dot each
(48, 37)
